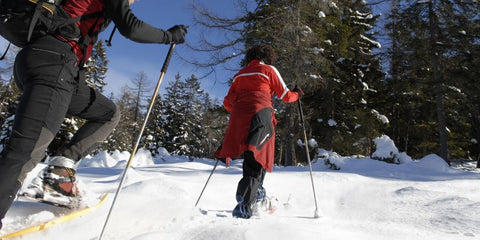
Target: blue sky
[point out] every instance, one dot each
(128, 58)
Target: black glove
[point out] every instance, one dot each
(299, 91)
(177, 34)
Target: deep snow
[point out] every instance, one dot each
(365, 199)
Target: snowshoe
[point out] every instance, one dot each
(264, 203)
(269, 204)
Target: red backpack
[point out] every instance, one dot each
(22, 21)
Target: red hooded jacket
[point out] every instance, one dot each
(252, 120)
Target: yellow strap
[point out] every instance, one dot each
(55, 221)
(47, 6)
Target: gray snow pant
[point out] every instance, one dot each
(253, 176)
(46, 71)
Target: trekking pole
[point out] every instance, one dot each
(316, 215)
(213, 170)
(164, 69)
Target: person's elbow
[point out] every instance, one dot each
(131, 33)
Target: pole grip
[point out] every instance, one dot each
(169, 56)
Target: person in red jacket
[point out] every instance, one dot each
(50, 73)
(251, 128)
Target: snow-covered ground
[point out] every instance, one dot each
(365, 199)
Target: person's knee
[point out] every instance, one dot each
(112, 115)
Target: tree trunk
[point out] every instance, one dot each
(442, 125)
(289, 156)
(330, 129)
(281, 144)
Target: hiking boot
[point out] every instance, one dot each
(61, 179)
(240, 211)
(60, 184)
(261, 200)
(261, 194)
(60, 176)
(56, 184)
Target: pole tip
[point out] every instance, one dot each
(316, 215)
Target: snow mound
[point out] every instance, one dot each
(387, 151)
(117, 160)
(433, 162)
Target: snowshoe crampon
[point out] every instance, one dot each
(267, 205)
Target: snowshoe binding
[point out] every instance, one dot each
(264, 203)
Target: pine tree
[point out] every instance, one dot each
(175, 115)
(214, 122)
(155, 134)
(96, 67)
(140, 88)
(193, 125)
(123, 135)
(190, 119)
(428, 83)
(352, 78)
(461, 27)
(9, 94)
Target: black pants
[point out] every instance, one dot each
(46, 71)
(253, 175)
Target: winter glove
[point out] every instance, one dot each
(299, 91)
(226, 161)
(177, 34)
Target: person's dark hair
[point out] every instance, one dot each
(262, 52)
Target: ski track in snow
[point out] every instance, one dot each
(157, 202)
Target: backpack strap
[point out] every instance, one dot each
(51, 7)
(37, 14)
(86, 40)
(82, 18)
(35, 17)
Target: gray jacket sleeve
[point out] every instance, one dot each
(131, 27)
